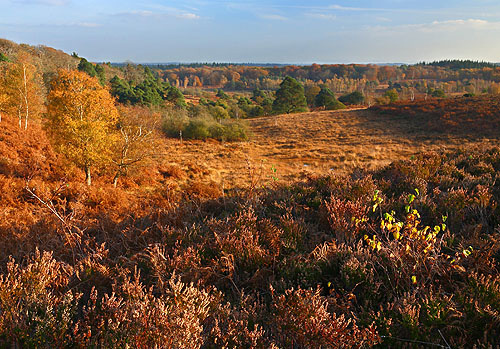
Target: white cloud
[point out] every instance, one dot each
(188, 16)
(347, 8)
(166, 12)
(324, 16)
(452, 25)
(273, 17)
(139, 13)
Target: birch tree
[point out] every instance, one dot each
(82, 119)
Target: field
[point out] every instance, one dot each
(324, 142)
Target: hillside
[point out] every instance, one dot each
(47, 59)
(474, 116)
(327, 142)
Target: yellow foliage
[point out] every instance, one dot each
(21, 91)
(82, 119)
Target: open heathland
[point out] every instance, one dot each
(326, 142)
(402, 254)
(130, 217)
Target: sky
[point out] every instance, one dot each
(259, 31)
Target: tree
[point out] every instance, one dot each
(311, 91)
(81, 119)
(438, 93)
(290, 97)
(326, 99)
(258, 96)
(21, 84)
(137, 141)
(392, 95)
(92, 70)
(175, 96)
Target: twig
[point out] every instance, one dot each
(72, 238)
(415, 342)
(446, 342)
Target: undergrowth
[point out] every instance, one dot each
(404, 255)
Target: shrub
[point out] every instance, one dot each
(36, 307)
(302, 318)
(197, 129)
(354, 98)
(235, 131)
(392, 95)
(438, 93)
(202, 128)
(174, 121)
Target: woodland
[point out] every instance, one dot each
(104, 242)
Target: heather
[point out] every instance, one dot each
(402, 255)
(323, 229)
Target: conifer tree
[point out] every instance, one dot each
(326, 99)
(290, 97)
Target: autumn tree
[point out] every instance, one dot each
(22, 90)
(290, 97)
(81, 120)
(137, 142)
(311, 91)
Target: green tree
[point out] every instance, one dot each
(258, 96)
(392, 95)
(326, 99)
(175, 96)
(92, 70)
(290, 97)
(438, 93)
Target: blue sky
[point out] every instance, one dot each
(336, 31)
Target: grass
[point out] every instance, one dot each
(325, 142)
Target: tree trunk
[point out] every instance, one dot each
(115, 179)
(88, 178)
(26, 98)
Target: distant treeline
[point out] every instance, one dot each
(174, 65)
(460, 64)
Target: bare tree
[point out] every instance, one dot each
(137, 142)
